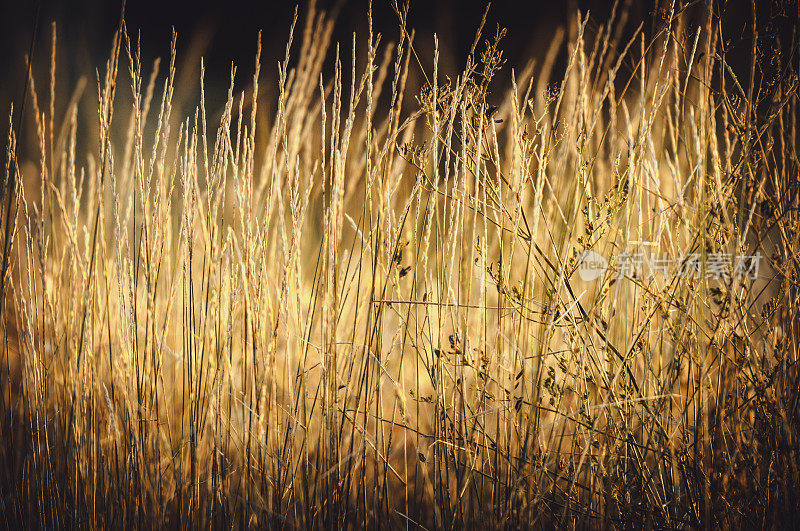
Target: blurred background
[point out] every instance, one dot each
(230, 27)
(225, 31)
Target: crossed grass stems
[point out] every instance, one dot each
(366, 315)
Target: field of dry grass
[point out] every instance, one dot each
(357, 306)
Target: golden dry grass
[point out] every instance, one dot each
(330, 311)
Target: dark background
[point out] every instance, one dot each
(233, 24)
(225, 30)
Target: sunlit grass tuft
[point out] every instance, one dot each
(357, 306)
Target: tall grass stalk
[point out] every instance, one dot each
(356, 306)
